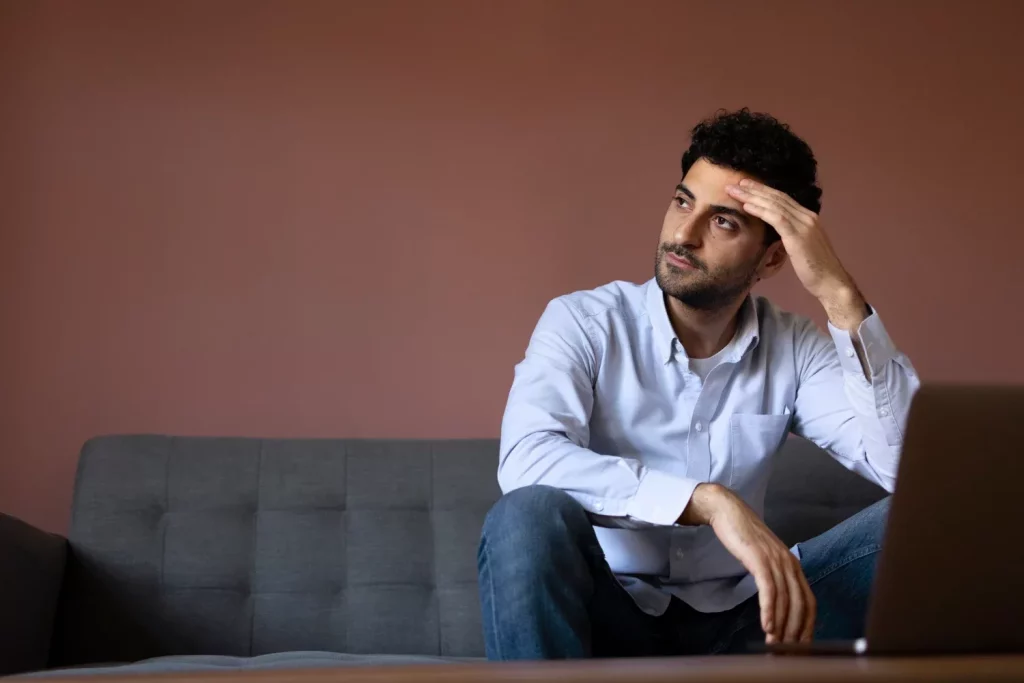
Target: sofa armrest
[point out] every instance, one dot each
(31, 573)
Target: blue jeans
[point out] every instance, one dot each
(547, 593)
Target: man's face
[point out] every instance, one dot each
(710, 250)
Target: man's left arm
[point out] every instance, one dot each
(853, 395)
(854, 390)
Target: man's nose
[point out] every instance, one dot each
(688, 231)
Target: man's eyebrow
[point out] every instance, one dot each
(718, 208)
(685, 190)
(715, 208)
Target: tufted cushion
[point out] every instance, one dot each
(810, 492)
(242, 547)
(247, 546)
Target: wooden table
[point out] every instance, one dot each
(740, 669)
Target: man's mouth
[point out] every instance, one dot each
(680, 262)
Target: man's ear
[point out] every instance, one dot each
(774, 258)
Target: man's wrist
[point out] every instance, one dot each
(845, 306)
(706, 501)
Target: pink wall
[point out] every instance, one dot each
(343, 219)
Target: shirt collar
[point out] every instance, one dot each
(747, 335)
(749, 332)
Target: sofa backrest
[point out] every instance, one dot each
(248, 546)
(244, 546)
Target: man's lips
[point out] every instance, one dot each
(680, 262)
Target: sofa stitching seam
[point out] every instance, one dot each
(255, 537)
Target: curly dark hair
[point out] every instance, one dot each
(758, 144)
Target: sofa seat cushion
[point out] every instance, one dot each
(278, 660)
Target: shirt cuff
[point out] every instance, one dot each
(877, 345)
(661, 498)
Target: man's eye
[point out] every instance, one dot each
(723, 222)
(682, 202)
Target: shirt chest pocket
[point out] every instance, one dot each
(753, 440)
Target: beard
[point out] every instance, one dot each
(704, 290)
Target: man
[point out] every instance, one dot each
(640, 429)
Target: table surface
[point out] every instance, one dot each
(738, 669)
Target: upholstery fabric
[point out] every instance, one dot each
(244, 547)
(809, 492)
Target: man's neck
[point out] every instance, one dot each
(703, 333)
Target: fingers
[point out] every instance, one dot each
(762, 190)
(797, 618)
(782, 602)
(770, 214)
(777, 210)
(788, 606)
(803, 607)
(766, 597)
(807, 635)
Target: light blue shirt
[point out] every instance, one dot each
(607, 406)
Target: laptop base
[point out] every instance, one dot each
(845, 648)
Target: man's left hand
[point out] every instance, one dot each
(815, 261)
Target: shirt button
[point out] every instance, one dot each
(850, 353)
(883, 412)
(699, 427)
(599, 506)
(679, 553)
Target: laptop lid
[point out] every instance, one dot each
(950, 576)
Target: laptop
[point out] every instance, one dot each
(950, 575)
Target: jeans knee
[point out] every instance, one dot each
(871, 521)
(536, 515)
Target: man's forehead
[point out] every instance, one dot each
(709, 178)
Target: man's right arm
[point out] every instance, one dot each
(788, 607)
(545, 432)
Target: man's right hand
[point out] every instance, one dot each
(788, 606)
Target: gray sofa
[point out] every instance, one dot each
(199, 553)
